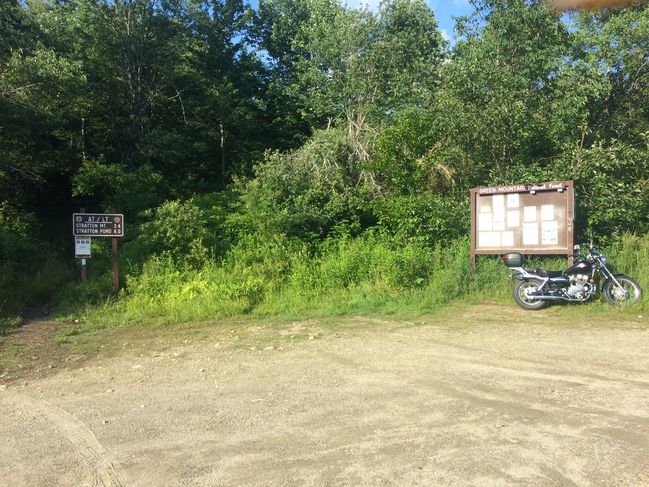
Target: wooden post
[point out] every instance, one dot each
(474, 197)
(115, 266)
(570, 210)
(84, 269)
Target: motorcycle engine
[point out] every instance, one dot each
(578, 285)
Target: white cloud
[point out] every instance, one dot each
(445, 35)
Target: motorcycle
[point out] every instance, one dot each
(537, 288)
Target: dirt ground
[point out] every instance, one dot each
(483, 397)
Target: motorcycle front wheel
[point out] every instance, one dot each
(628, 293)
(522, 291)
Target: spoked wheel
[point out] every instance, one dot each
(626, 294)
(522, 292)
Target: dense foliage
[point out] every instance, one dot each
(304, 128)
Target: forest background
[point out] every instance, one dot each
(302, 156)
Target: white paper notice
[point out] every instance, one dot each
(499, 207)
(488, 239)
(498, 200)
(499, 214)
(82, 246)
(550, 233)
(547, 212)
(499, 226)
(485, 209)
(507, 239)
(530, 234)
(529, 214)
(512, 200)
(485, 222)
(513, 218)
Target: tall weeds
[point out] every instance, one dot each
(367, 274)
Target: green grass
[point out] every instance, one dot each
(366, 275)
(279, 293)
(9, 323)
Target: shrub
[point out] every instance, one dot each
(305, 193)
(371, 273)
(423, 218)
(177, 229)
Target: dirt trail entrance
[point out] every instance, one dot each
(487, 400)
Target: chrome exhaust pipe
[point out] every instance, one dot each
(551, 297)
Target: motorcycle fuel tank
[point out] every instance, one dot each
(579, 268)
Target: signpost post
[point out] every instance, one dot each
(532, 219)
(87, 225)
(83, 251)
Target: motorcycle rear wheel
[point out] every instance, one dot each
(629, 294)
(524, 300)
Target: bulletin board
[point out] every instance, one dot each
(532, 219)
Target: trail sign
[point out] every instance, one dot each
(532, 219)
(82, 248)
(97, 225)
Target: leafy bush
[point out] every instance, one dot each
(423, 218)
(610, 187)
(614, 195)
(117, 187)
(370, 273)
(630, 255)
(305, 193)
(177, 229)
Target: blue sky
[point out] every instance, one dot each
(444, 10)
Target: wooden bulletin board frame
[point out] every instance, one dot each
(527, 218)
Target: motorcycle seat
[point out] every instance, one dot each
(550, 274)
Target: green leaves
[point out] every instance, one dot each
(176, 229)
(497, 92)
(307, 192)
(334, 62)
(616, 44)
(613, 188)
(346, 119)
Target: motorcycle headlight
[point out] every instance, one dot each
(603, 259)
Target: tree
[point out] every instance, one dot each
(497, 91)
(615, 43)
(337, 63)
(14, 28)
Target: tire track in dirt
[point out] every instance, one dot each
(76, 433)
(542, 368)
(517, 400)
(399, 404)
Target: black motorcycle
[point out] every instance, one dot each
(536, 288)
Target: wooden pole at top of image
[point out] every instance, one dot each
(590, 4)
